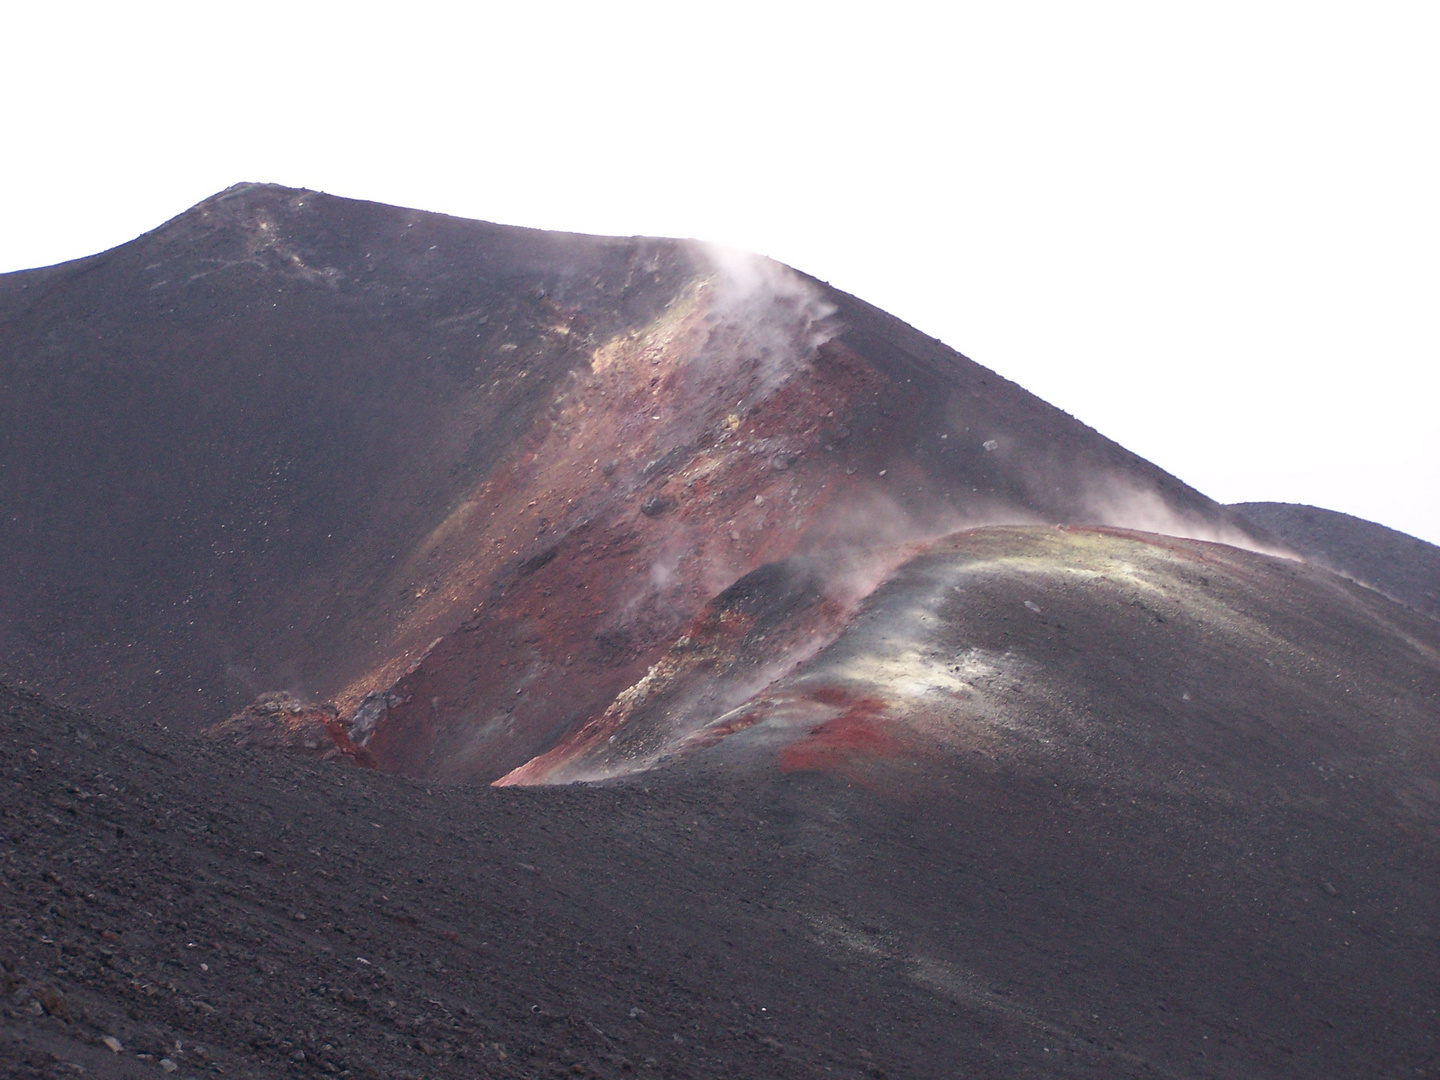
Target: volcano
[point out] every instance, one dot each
(469, 482)
(700, 671)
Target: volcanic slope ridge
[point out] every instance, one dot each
(1152, 656)
(1053, 803)
(468, 481)
(1403, 567)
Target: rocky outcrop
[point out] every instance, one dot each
(282, 721)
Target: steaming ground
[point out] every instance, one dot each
(1096, 648)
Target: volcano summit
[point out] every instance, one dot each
(846, 709)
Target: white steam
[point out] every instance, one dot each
(781, 318)
(1124, 506)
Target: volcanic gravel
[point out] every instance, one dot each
(239, 914)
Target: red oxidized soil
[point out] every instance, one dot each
(845, 744)
(579, 590)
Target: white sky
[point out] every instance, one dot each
(1211, 231)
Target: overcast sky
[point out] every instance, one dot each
(1210, 230)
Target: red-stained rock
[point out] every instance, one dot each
(283, 721)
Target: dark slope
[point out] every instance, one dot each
(1401, 566)
(1180, 821)
(290, 442)
(219, 439)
